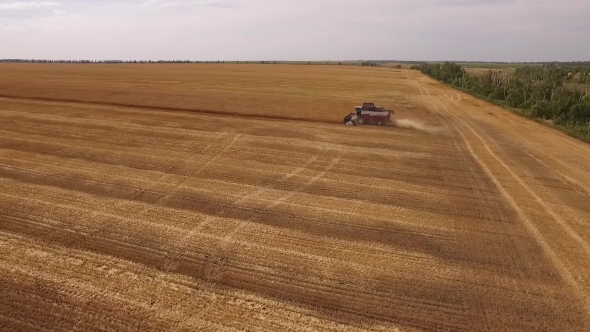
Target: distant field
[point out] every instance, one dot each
(480, 71)
(495, 65)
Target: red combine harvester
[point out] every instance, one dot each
(368, 114)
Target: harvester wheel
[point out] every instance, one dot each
(379, 123)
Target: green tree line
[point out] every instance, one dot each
(552, 91)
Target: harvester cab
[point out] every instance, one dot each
(368, 114)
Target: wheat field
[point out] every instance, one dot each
(232, 197)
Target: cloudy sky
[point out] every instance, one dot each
(478, 30)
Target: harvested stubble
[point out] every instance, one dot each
(143, 219)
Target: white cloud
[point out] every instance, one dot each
(27, 5)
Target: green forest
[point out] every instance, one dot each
(555, 92)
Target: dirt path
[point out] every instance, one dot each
(122, 219)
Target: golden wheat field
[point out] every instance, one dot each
(232, 198)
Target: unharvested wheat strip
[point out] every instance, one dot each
(128, 114)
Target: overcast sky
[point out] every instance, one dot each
(482, 30)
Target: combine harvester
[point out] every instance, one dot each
(368, 114)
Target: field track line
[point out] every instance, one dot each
(564, 272)
(557, 160)
(189, 110)
(555, 171)
(551, 169)
(199, 170)
(540, 130)
(251, 195)
(216, 263)
(558, 173)
(208, 219)
(532, 146)
(572, 233)
(228, 238)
